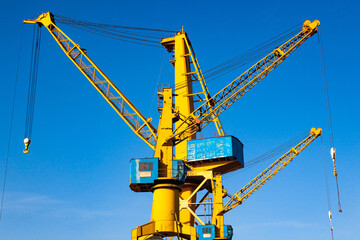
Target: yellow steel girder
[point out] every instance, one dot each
(140, 125)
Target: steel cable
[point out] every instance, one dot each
(11, 124)
(117, 37)
(32, 81)
(327, 187)
(137, 35)
(279, 150)
(245, 58)
(328, 111)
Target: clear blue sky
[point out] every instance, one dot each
(74, 182)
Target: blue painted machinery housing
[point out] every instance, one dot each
(207, 232)
(179, 170)
(228, 230)
(226, 148)
(144, 172)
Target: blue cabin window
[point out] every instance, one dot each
(206, 230)
(145, 166)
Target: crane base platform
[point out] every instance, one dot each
(164, 229)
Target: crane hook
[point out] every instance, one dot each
(27, 143)
(333, 153)
(331, 225)
(330, 218)
(333, 156)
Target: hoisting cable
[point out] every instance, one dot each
(11, 124)
(142, 36)
(279, 150)
(327, 189)
(328, 113)
(257, 51)
(32, 86)
(245, 58)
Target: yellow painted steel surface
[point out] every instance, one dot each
(218, 220)
(240, 196)
(241, 85)
(117, 100)
(183, 87)
(201, 79)
(164, 149)
(184, 58)
(218, 166)
(174, 205)
(165, 207)
(185, 216)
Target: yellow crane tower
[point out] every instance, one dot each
(183, 165)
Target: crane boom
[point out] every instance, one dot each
(240, 196)
(204, 114)
(127, 111)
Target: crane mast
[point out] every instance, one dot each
(182, 165)
(187, 71)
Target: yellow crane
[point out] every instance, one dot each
(182, 165)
